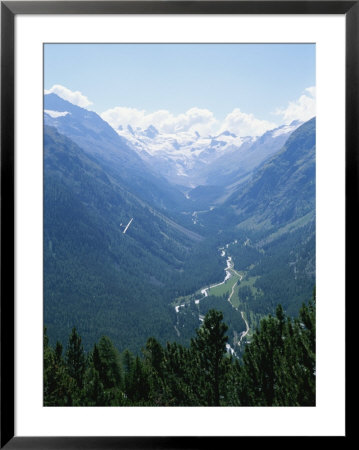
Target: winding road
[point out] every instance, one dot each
(244, 333)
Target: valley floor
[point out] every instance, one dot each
(226, 290)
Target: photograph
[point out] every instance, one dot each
(179, 224)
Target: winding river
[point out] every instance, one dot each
(228, 269)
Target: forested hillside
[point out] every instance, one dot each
(98, 140)
(278, 368)
(267, 226)
(98, 277)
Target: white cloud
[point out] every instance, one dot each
(74, 97)
(195, 119)
(302, 109)
(243, 124)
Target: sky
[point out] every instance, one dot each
(246, 88)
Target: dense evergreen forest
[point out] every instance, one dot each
(277, 368)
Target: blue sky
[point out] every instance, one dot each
(257, 79)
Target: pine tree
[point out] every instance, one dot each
(138, 384)
(209, 348)
(154, 362)
(58, 352)
(75, 358)
(49, 371)
(233, 383)
(94, 393)
(263, 360)
(279, 363)
(127, 361)
(107, 362)
(306, 349)
(59, 387)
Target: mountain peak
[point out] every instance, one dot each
(227, 133)
(295, 122)
(151, 132)
(53, 102)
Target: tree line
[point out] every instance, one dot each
(277, 368)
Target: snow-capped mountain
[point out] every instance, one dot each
(237, 164)
(182, 156)
(188, 159)
(115, 154)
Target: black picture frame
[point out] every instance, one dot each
(9, 9)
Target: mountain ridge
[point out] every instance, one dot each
(97, 138)
(93, 259)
